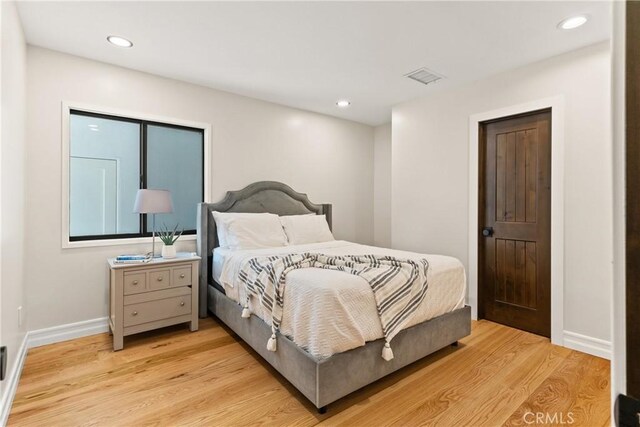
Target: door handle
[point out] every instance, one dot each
(487, 231)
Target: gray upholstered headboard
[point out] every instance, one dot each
(264, 196)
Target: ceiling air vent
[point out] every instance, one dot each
(424, 76)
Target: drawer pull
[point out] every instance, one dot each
(160, 279)
(182, 303)
(182, 276)
(135, 282)
(135, 313)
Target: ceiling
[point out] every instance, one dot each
(310, 54)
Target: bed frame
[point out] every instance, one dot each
(322, 381)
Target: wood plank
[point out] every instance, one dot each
(520, 294)
(501, 176)
(513, 384)
(573, 391)
(531, 274)
(99, 357)
(521, 182)
(509, 270)
(531, 174)
(175, 377)
(500, 285)
(510, 178)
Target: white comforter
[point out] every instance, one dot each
(327, 311)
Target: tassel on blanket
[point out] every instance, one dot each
(387, 353)
(246, 313)
(271, 344)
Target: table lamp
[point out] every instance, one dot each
(153, 202)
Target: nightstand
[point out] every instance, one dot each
(152, 295)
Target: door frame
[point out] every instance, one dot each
(556, 104)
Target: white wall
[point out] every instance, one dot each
(12, 167)
(329, 159)
(430, 172)
(382, 186)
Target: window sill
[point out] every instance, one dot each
(66, 244)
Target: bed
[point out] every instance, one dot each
(322, 366)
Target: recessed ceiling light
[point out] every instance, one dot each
(343, 103)
(573, 22)
(119, 41)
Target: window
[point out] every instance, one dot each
(111, 157)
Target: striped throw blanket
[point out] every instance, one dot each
(399, 285)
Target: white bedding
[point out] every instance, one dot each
(328, 311)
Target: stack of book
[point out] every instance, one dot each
(133, 259)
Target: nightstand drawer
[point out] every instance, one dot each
(150, 311)
(159, 279)
(183, 291)
(181, 276)
(135, 283)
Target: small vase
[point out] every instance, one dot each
(168, 251)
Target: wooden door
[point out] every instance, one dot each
(632, 246)
(514, 243)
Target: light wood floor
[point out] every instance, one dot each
(210, 377)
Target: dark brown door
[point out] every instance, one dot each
(515, 222)
(633, 198)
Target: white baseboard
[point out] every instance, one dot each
(67, 332)
(586, 344)
(12, 382)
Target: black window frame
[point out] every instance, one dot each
(142, 182)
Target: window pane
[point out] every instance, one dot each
(104, 174)
(174, 163)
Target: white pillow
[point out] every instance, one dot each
(249, 230)
(301, 229)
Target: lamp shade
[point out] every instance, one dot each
(153, 201)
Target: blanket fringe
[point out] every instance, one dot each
(387, 353)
